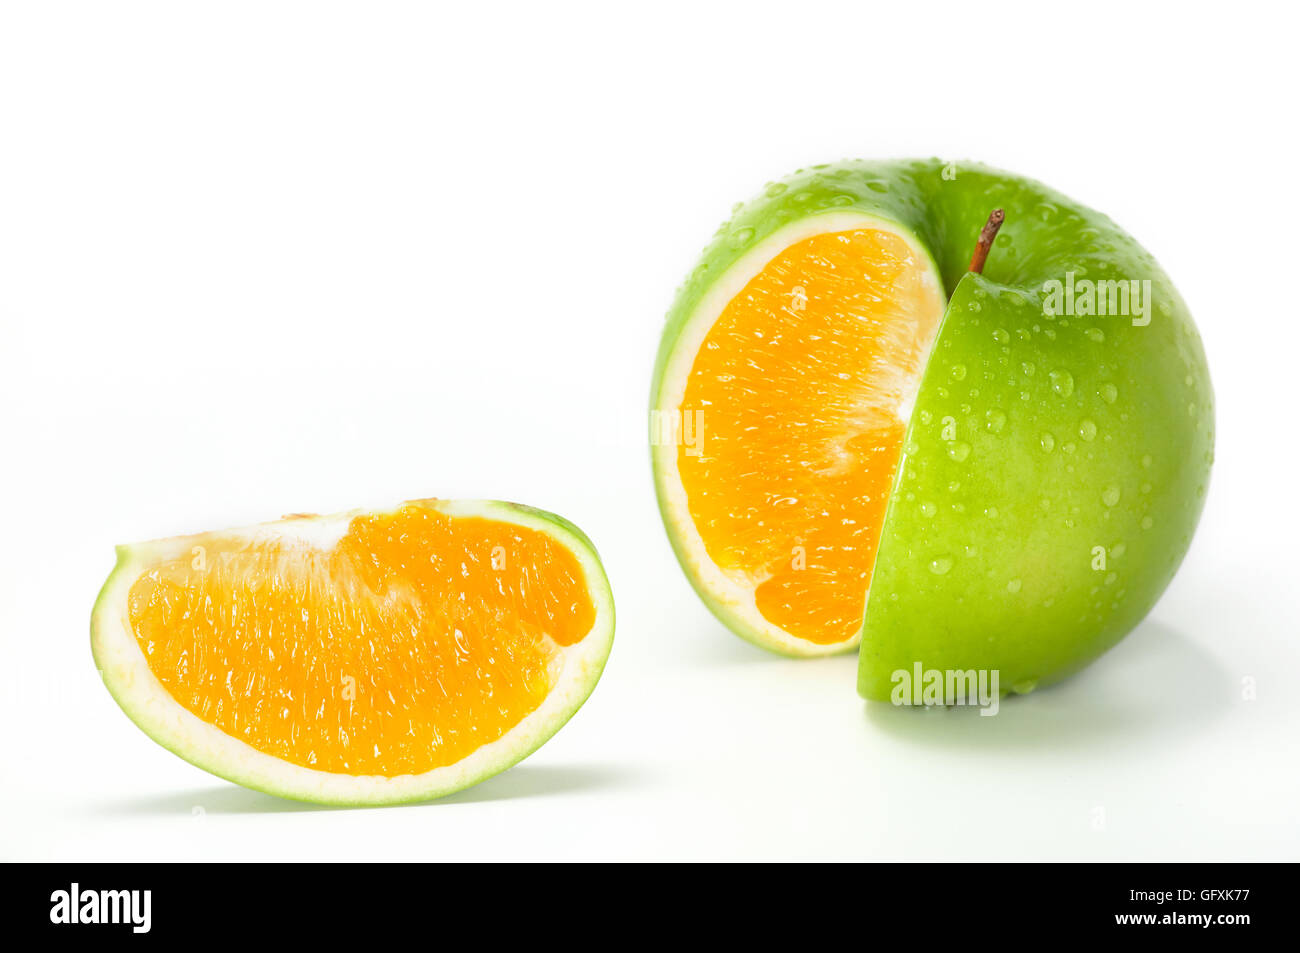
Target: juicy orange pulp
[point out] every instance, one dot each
(412, 642)
(799, 387)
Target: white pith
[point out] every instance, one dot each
(129, 679)
(733, 595)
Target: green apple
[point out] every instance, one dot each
(1057, 455)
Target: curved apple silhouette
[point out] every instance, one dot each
(1058, 452)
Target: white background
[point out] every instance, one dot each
(264, 258)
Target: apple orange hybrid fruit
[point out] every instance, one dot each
(880, 420)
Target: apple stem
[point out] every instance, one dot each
(987, 234)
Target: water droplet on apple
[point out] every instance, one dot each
(995, 420)
(1087, 429)
(1095, 334)
(1001, 336)
(1062, 382)
(959, 450)
(1108, 392)
(940, 565)
(1013, 586)
(741, 237)
(958, 372)
(928, 509)
(1048, 442)
(1147, 522)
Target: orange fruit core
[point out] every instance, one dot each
(409, 644)
(798, 393)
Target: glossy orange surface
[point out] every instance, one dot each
(800, 390)
(407, 645)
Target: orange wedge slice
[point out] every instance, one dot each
(365, 658)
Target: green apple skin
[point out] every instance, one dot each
(1054, 467)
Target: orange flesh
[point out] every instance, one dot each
(800, 384)
(415, 640)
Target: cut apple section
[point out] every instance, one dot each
(793, 380)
